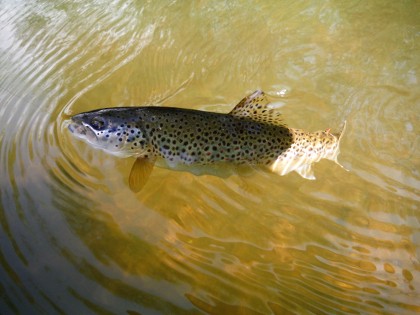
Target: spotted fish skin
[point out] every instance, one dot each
(251, 133)
(308, 148)
(186, 136)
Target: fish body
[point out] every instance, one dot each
(251, 134)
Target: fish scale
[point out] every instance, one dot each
(251, 133)
(197, 137)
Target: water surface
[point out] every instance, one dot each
(75, 240)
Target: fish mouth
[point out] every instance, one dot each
(81, 130)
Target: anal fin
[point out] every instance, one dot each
(306, 171)
(140, 173)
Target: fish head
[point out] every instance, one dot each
(115, 130)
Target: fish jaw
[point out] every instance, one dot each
(82, 131)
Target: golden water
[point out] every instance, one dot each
(75, 240)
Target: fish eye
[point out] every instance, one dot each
(97, 123)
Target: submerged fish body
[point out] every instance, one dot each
(186, 136)
(250, 134)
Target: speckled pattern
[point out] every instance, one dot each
(188, 136)
(201, 137)
(317, 144)
(251, 133)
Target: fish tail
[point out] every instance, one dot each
(339, 136)
(342, 131)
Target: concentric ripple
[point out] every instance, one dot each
(75, 240)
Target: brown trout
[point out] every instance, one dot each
(251, 134)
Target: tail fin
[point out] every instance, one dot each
(342, 131)
(337, 150)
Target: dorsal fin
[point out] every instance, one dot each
(255, 107)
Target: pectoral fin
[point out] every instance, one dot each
(306, 171)
(140, 173)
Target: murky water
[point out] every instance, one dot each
(75, 239)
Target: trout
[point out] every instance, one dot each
(252, 134)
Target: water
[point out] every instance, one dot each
(75, 239)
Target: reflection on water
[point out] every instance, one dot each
(75, 239)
